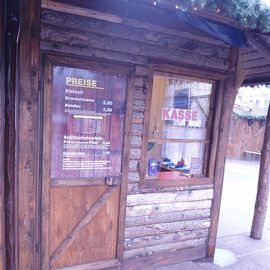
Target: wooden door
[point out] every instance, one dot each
(85, 135)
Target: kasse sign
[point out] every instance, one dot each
(179, 114)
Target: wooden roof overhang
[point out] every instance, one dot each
(255, 60)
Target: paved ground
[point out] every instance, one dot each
(235, 249)
(246, 254)
(238, 199)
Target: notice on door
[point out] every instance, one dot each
(88, 112)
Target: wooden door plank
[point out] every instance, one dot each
(92, 266)
(125, 169)
(77, 182)
(82, 223)
(46, 164)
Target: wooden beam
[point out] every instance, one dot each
(27, 135)
(160, 140)
(2, 115)
(263, 185)
(229, 94)
(53, 5)
(125, 170)
(257, 43)
(11, 59)
(134, 17)
(77, 182)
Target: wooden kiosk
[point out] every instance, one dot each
(118, 127)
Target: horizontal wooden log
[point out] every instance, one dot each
(139, 93)
(51, 46)
(253, 55)
(137, 117)
(170, 217)
(136, 141)
(83, 39)
(174, 187)
(170, 197)
(152, 186)
(133, 188)
(140, 81)
(82, 12)
(147, 251)
(139, 105)
(137, 129)
(163, 228)
(157, 209)
(259, 70)
(141, 70)
(135, 153)
(133, 165)
(164, 258)
(132, 33)
(159, 140)
(133, 177)
(256, 63)
(148, 241)
(175, 29)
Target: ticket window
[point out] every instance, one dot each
(178, 136)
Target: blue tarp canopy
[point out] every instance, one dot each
(229, 34)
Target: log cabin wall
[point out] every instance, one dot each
(156, 220)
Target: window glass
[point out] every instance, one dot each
(178, 127)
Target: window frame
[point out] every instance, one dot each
(208, 160)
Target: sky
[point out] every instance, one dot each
(267, 2)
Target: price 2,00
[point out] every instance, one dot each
(107, 110)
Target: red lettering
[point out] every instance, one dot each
(194, 116)
(165, 114)
(174, 114)
(180, 114)
(187, 116)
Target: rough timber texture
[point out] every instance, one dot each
(2, 246)
(176, 219)
(28, 135)
(229, 93)
(166, 221)
(260, 210)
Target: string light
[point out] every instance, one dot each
(238, 10)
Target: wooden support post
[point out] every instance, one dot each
(11, 59)
(27, 134)
(263, 185)
(2, 105)
(229, 94)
